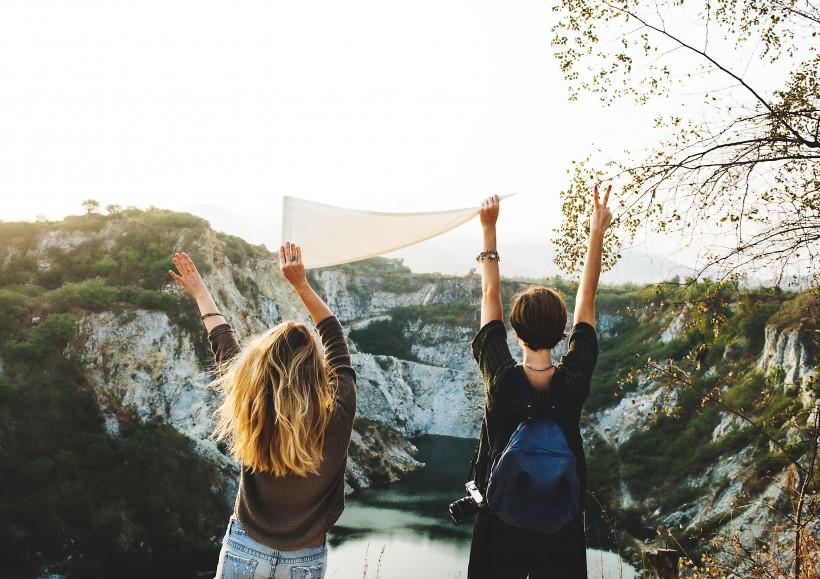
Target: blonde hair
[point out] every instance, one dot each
(278, 398)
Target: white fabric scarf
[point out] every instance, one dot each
(330, 235)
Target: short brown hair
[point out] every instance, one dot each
(539, 316)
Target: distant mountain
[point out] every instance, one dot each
(534, 260)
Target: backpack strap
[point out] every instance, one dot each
(556, 389)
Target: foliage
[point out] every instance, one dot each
(393, 336)
(744, 167)
(375, 266)
(55, 332)
(459, 313)
(239, 251)
(139, 504)
(800, 312)
(165, 219)
(136, 505)
(91, 205)
(384, 337)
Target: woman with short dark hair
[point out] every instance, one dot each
(538, 317)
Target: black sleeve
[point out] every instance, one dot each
(491, 352)
(579, 362)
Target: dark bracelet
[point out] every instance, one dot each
(209, 314)
(490, 254)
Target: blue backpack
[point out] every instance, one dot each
(533, 484)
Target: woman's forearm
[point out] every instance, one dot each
(491, 308)
(585, 300)
(316, 307)
(191, 281)
(206, 305)
(600, 219)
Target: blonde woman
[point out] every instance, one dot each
(288, 412)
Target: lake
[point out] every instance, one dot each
(404, 531)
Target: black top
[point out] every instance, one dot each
(504, 411)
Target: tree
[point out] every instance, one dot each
(114, 209)
(91, 205)
(745, 165)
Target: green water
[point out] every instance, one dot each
(404, 531)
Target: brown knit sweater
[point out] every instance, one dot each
(291, 512)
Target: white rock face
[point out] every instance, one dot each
(373, 457)
(675, 328)
(140, 363)
(633, 413)
(444, 346)
(359, 297)
(787, 352)
(728, 423)
(419, 399)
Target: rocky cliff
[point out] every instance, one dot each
(654, 450)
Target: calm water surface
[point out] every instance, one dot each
(404, 531)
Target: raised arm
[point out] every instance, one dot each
(491, 308)
(290, 262)
(598, 224)
(189, 278)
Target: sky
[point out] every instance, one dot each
(221, 108)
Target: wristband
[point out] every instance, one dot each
(489, 254)
(209, 314)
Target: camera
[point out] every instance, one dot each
(463, 508)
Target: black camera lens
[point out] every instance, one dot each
(462, 508)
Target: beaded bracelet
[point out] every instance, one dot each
(490, 254)
(209, 314)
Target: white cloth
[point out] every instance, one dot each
(330, 235)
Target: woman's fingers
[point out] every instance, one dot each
(178, 264)
(290, 252)
(606, 195)
(489, 202)
(596, 196)
(188, 262)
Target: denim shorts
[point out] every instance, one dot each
(244, 558)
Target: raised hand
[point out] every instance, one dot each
(188, 276)
(291, 264)
(601, 215)
(598, 223)
(192, 283)
(488, 214)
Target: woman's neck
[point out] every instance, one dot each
(537, 359)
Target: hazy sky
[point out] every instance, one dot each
(220, 108)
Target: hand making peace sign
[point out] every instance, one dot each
(601, 215)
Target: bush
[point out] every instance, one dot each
(51, 336)
(384, 337)
(92, 294)
(165, 219)
(238, 251)
(7, 387)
